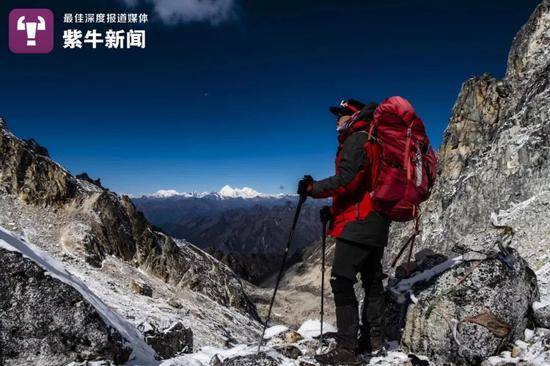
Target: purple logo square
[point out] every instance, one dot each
(31, 30)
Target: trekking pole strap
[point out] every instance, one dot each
(416, 232)
(410, 242)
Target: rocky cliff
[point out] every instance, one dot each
(494, 176)
(102, 239)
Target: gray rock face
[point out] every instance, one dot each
(471, 311)
(46, 322)
(495, 157)
(495, 160)
(494, 174)
(494, 186)
(32, 180)
(112, 225)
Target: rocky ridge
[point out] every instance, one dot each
(494, 180)
(102, 239)
(109, 225)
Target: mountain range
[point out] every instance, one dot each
(245, 229)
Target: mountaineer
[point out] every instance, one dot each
(384, 168)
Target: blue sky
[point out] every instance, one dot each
(238, 95)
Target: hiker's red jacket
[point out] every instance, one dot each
(352, 214)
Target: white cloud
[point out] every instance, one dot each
(186, 11)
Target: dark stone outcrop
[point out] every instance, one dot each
(87, 178)
(170, 342)
(36, 147)
(44, 321)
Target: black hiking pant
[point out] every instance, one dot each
(349, 260)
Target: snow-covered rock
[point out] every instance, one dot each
(285, 351)
(312, 328)
(274, 330)
(44, 307)
(533, 351)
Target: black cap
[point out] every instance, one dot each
(347, 107)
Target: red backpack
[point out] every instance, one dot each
(404, 165)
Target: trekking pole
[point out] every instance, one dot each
(323, 248)
(280, 275)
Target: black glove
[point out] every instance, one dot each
(326, 214)
(303, 185)
(367, 113)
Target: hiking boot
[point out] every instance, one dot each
(370, 344)
(376, 344)
(366, 357)
(338, 356)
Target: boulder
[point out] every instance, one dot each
(215, 361)
(289, 350)
(472, 310)
(171, 342)
(44, 321)
(541, 314)
(141, 288)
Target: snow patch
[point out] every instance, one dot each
(404, 287)
(312, 328)
(275, 330)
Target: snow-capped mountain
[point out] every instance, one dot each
(166, 193)
(225, 192)
(245, 192)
